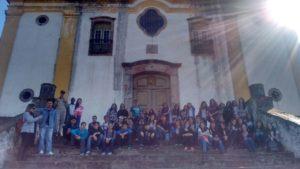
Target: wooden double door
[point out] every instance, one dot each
(152, 90)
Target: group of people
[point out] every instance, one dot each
(213, 126)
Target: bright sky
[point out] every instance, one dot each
(3, 7)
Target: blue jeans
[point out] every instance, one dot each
(204, 145)
(161, 134)
(46, 136)
(108, 147)
(91, 141)
(250, 145)
(78, 118)
(219, 144)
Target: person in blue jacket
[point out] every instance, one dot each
(80, 135)
(47, 126)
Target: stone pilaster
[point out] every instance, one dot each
(119, 54)
(64, 61)
(236, 59)
(13, 16)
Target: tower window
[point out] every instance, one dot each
(101, 38)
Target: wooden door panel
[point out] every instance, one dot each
(158, 98)
(151, 90)
(143, 97)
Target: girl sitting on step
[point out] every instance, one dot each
(272, 141)
(188, 136)
(204, 137)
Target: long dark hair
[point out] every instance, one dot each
(29, 107)
(77, 103)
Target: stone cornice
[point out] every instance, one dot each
(93, 1)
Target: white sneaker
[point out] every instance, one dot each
(50, 153)
(109, 153)
(41, 152)
(103, 153)
(81, 154)
(88, 152)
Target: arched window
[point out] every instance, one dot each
(101, 38)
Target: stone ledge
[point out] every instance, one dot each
(285, 116)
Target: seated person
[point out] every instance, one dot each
(234, 133)
(216, 137)
(140, 129)
(147, 135)
(224, 134)
(124, 135)
(176, 135)
(104, 125)
(204, 137)
(95, 137)
(259, 133)
(163, 129)
(187, 135)
(109, 140)
(272, 141)
(248, 140)
(94, 120)
(80, 136)
(67, 130)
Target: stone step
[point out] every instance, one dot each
(135, 165)
(163, 157)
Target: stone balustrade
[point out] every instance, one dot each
(288, 125)
(7, 136)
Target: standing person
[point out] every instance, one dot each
(165, 111)
(112, 113)
(135, 110)
(242, 108)
(123, 113)
(78, 111)
(27, 131)
(70, 110)
(203, 111)
(47, 125)
(191, 110)
(228, 113)
(213, 108)
(61, 112)
(175, 113)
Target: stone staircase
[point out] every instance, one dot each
(162, 157)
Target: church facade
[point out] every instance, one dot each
(152, 51)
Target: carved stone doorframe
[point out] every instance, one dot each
(150, 66)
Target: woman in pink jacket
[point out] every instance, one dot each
(78, 111)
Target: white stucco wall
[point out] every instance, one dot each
(32, 61)
(173, 46)
(267, 53)
(92, 76)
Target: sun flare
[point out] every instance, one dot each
(285, 13)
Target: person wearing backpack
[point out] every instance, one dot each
(27, 130)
